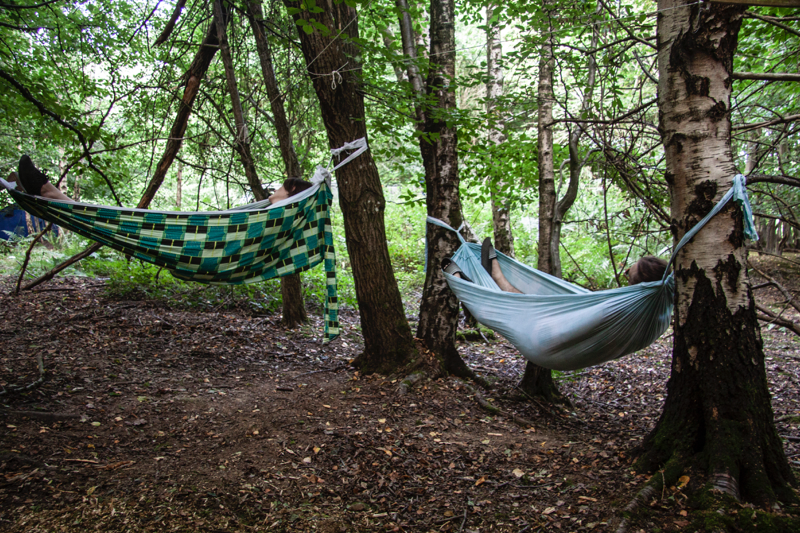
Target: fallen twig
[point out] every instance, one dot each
(28, 255)
(30, 386)
(42, 415)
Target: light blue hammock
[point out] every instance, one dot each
(561, 326)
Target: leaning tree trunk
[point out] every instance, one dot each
(501, 212)
(294, 311)
(438, 312)
(241, 142)
(191, 79)
(717, 416)
(538, 381)
(388, 342)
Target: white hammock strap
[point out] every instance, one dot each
(358, 147)
(445, 225)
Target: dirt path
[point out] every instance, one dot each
(155, 419)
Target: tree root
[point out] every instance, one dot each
(494, 410)
(657, 483)
(30, 386)
(408, 382)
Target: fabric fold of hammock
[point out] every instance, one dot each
(561, 326)
(247, 244)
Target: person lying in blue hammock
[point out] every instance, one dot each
(648, 268)
(31, 180)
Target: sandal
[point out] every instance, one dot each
(30, 179)
(450, 266)
(487, 254)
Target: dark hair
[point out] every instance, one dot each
(648, 268)
(295, 185)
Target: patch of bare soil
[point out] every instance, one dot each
(156, 419)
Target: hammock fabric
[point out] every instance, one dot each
(248, 244)
(561, 326)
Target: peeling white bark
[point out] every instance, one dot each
(694, 101)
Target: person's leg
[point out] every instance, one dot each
(492, 266)
(14, 178)
(500, 279)
(52, 192)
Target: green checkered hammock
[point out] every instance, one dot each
(248, 244)
(561, 326)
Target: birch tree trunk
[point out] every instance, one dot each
(294, 310)
(438, 313)
(501, 214)
(717, 416)
(434, 98)
(538, 381)
(388, 342)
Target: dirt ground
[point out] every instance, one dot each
(159, 419)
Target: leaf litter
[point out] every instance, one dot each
(157, 419)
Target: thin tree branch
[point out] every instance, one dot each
(610, 121)
(770, 20)
(782, 120)
(765, 76)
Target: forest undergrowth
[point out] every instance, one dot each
(156, 416)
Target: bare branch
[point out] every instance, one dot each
(765, 76)
(773, 318)
(782, 120)
(611, 121)
(26, 388)
(786, 294)
(771, 20)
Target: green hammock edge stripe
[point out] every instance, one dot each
(316, 208)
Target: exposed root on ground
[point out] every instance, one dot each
(494, 410)
(30, 386)
(657, 483)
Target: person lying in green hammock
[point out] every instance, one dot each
(31, 180)
(648, 268)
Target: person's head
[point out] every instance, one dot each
(290, 187)
(648, 268)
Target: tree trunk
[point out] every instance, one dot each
(717, 416)
(538, 381)
(388, 342)
(294, 310)
(547, 186)
(501, 213)
(576, 159)
(409, 39)
(242, 141)
(438, 313)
